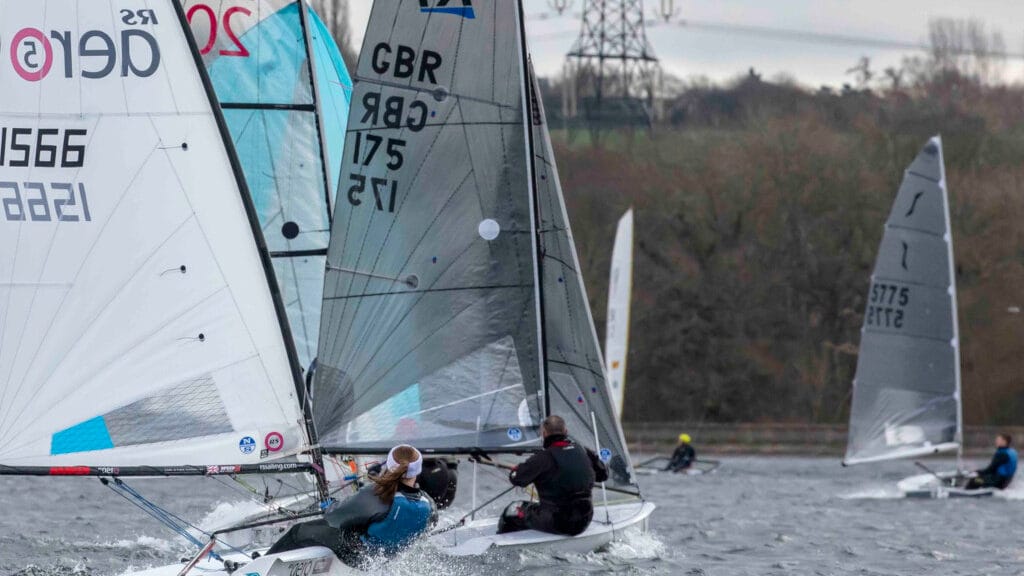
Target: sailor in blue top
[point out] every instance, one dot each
(380, 521)
(999, 473)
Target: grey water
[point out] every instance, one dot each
(754, 516)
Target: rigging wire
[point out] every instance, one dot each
(164, 516)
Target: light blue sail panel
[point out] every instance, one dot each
(335, 90)
(280, 130)
(85, 437)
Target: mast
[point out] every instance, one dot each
(959, 438)
(531, 177)
(261, 245)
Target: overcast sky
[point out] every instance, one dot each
(691, 52)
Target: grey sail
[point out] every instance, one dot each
(906, 394)
(430, 330)
(575, 370)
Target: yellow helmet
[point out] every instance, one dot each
(684, 438)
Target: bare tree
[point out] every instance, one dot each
(966, 46)
(335, 15)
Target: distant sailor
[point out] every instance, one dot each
(564, 474)
(1000, 471)
(683, 457)
(381, 520)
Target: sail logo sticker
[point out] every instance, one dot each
(91, 54)
(31, 54)
(274, 442)
(515, 434)
(247, 445)
(442, 7)
(606, 455)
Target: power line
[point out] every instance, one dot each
(807, 37)
(780, 34)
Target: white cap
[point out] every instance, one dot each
(415, 467)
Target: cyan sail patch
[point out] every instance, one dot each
(191, 409)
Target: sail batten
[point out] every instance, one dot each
(906, 396)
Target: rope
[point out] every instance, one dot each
(172, 521)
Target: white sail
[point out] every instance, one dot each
(620, 294)
(139, 322)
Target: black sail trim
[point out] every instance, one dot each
(271, 107)
(528, 110)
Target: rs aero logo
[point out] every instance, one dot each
(91, 54)
(444, 7)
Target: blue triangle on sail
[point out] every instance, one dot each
(464, 11)
(85, 437)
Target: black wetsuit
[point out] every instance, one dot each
(999, 472)
(564, 475)
(682, 458)
(344, 525)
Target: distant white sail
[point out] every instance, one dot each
(620, 294)
(139, 322)
(906, 393)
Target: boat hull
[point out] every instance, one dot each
(480, 536)
(317, 561)
(940, 486)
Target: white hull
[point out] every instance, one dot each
(929, 486)
(305, 562)
(480, 537)
(476, 538)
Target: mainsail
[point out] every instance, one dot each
(430, 328)
(906, 393)
(284, 89)
(139, 322)
(454, 312)
(620, 294)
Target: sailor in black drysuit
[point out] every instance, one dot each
(564, 475)
(367, 525)
(1000, 471)
(683, 457)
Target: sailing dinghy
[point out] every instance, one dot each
(906, 392)
(454, 316)
(142, 330)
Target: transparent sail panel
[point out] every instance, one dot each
(137, 322)
(576, 380)
(905, 396)
(429, 327)
(258, 56)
